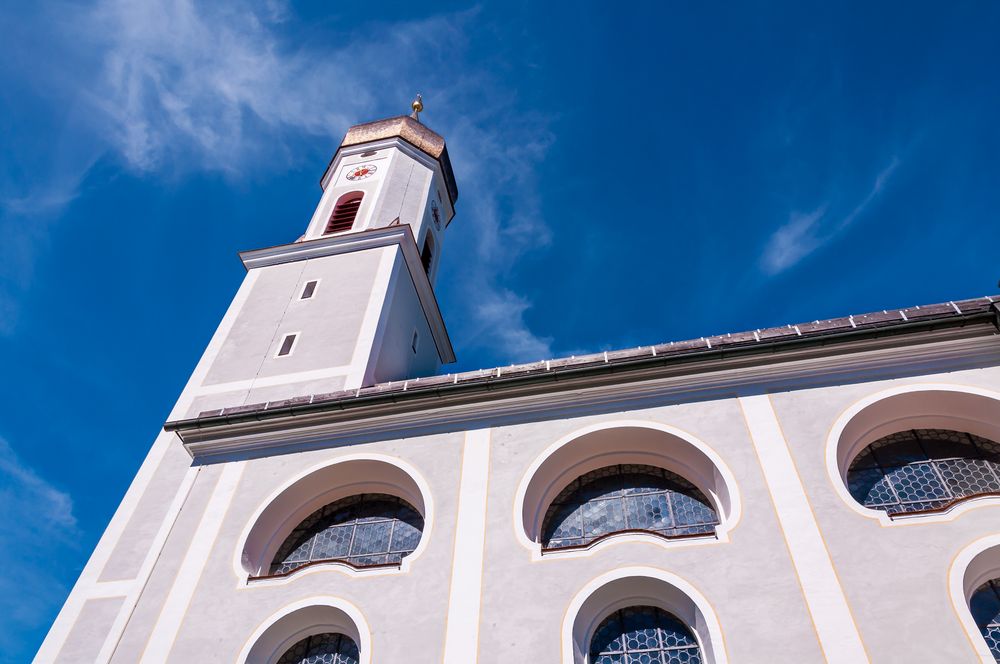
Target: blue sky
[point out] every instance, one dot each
(627, 177)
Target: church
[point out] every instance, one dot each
(323, 491)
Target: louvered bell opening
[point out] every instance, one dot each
(343, 216)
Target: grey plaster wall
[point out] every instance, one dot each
(895, 578)
(147, 611)
(749, 580)
(87, 636)
(329, 323)
(406, 612)
(128, 555)
(404, 194)
(402, 316)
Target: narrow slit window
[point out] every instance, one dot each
(427, 255)
(287, 344)
(308, 290)
(413, 344)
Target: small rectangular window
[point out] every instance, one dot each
(308, 290)
(413, 344)
(287, 344)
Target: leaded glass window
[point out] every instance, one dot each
(985, 606)
(626, 498)
(322, 649)
(643, 635)
(924, 469)
(364, 530)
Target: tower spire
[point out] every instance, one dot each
(417, 106)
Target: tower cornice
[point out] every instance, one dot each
(407, 130)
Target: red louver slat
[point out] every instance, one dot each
(344, 215)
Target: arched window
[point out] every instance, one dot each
(322, 649)
(367, 530)
(643, 634)
(924, 470)
(985, 606)
(623, 498)
(344, 212)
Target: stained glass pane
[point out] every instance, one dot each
(626, 497)
(924, 469)
(322, 649)
(646, 635)
(370, 529)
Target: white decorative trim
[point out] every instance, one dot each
(269, 381)
(462, 637)
(835, 451)
(401, 235)
(424, 503)
(360, 632)
(705, 626)
(379, 300)
(703, 379)
(974, 565)
(175, 607)
(725, 497)
(831, 615)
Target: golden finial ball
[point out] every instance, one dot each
(418, 104)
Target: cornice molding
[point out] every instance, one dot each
(400, 235)
(403, 146)
(565, 396)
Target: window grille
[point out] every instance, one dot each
(626, 498)
(643, 634)
(322, 649)
(985, 607)
(363, 531)
(344, 212)
(924, 470)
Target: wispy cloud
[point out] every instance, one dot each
(805, 232)
(173, 86)
(36, 526)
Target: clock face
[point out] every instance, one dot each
(361, 172)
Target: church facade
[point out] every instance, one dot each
(321, 492)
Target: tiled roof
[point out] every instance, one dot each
(773, 338)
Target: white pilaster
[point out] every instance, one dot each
(835, 627)
(462, 637)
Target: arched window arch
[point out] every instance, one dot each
(302, 500)
(643, 634)
(366, 530)
(326, 648)
(679, 461)
(985, 607)
(626, 498)
(924, 470)
(344, 212)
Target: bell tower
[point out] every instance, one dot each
(350, 303)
